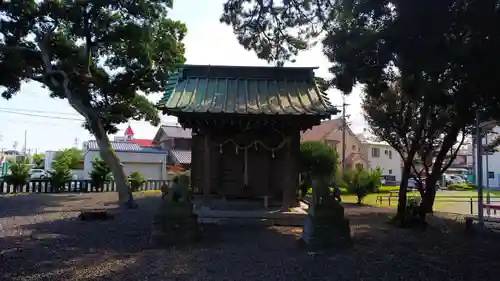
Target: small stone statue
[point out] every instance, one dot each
(175, 222)
(179, 192)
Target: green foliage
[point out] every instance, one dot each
(281, 28)
(61, 172)
(100, 174)
(19, 174)
(461, 186)
(136, 180)
(105, 56)
(38, 159)
(72, 157)
(317, 159)
(361, 182)
(411, 217)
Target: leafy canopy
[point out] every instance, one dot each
(70, 156)
(38, 160)
(19, 173)
(99, 54)
(101, 173)
(316, 159)
(427, 41)
(61, 171)
(136, 180)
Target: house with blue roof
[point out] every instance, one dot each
(151, 162)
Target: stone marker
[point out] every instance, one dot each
(325, 225)
(176, 223)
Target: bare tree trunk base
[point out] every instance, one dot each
(130, 204)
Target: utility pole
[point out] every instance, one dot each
(479, 175)
(474, 178)
(344, 127)
(488, 201)
(25, 141)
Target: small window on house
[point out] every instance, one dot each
(491, 175)
(386, 152)
(390, 154)
(354, 147)
(390, 172)
(331, 143)
(375, 152)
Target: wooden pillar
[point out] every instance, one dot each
(207, 177)
(288, 197)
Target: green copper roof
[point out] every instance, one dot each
(244, 90)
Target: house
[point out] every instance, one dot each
(177, 142)
(246, 124)
(330, 132)
(491, 162)
(381, 155)
(150, 161)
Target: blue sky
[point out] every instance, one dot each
(207, 42)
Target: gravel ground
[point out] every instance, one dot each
(40, 239)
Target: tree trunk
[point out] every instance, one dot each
(430, 182)
(125, 196)
(403, 186)
(429, 196)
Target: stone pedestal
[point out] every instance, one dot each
(175, 223)
(326, 226)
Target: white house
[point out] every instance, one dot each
(381, 155)
(150, 161)
(491, 163)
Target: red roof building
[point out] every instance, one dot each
(129, 132)
(142, 142)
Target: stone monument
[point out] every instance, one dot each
(325, 225)
(176, 223)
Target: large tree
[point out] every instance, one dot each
(419, 132)
(442, 53)
(98, 54)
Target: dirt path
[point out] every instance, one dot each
(40, 239)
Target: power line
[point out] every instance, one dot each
(34, 121)
(38, 111)
(41, 116)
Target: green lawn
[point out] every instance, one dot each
(441, 197)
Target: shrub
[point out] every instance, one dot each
(19, 175)
(100, 174)
(361, 182)
(316, 160)
(411, 218)
(60, 173)
(460, 186)
(136, 180)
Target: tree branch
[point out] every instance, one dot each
(43, 43)
(453, 155)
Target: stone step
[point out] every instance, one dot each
(293, 221)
